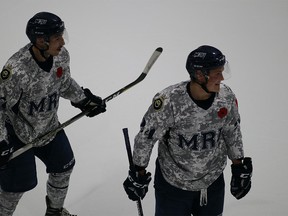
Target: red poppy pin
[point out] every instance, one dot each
(236, 101)
(59, 72)
(222, 112)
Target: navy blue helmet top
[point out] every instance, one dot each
(44, 24)
(204, 58)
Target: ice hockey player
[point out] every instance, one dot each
(197, 126)
(31, 83)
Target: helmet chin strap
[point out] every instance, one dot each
(204, 85)
(42, 51)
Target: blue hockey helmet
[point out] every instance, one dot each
(44, 24)
(204, 58)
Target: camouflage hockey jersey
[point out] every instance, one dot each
(193, 143)
(29, 96)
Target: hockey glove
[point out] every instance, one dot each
(241, 178)
(91, 102)
(6, 151)
(136, 185)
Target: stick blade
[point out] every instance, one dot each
(152, 59)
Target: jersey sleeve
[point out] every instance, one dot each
(70, 89)
(3, 131)
(154, 126)
(10, 93)
(232, 132)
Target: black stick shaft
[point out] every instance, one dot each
(131, 164)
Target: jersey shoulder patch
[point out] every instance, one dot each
(158, 103)
(6, 73)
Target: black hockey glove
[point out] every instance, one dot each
(241, 178)
(136, 185)
(6, 151)
(89, 102)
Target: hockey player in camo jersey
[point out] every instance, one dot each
(197, 125)
(32, 81)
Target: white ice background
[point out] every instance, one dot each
(110, 42)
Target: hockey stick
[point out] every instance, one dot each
(46, 136)
(131, 164)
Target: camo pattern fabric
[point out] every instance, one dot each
(29, 96)
(193, 143)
